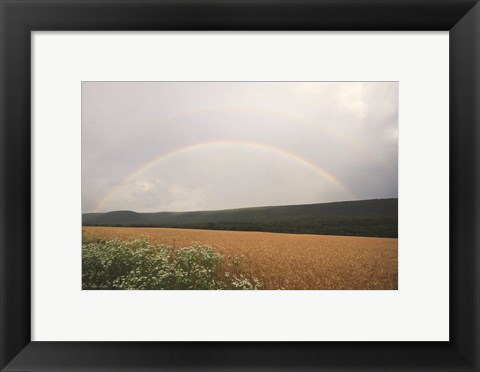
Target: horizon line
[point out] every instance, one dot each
(232, 209)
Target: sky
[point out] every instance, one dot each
(186, 146)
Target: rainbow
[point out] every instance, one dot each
(164, 156)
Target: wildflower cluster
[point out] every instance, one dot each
(138, 264)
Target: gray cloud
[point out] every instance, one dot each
(157, 146)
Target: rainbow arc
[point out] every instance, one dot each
(277, 150)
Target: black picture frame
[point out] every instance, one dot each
(18, 18)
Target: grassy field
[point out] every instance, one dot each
(286, 261)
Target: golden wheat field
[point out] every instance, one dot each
(288, 261)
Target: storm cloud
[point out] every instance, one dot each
(183, 146)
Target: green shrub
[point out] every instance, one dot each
(138, 264)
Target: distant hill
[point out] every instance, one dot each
(377, 217)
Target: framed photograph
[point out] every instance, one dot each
(240, 194)
(218, 185)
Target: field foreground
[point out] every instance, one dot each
(287, 261)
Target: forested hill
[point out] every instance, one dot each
(377, 217)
